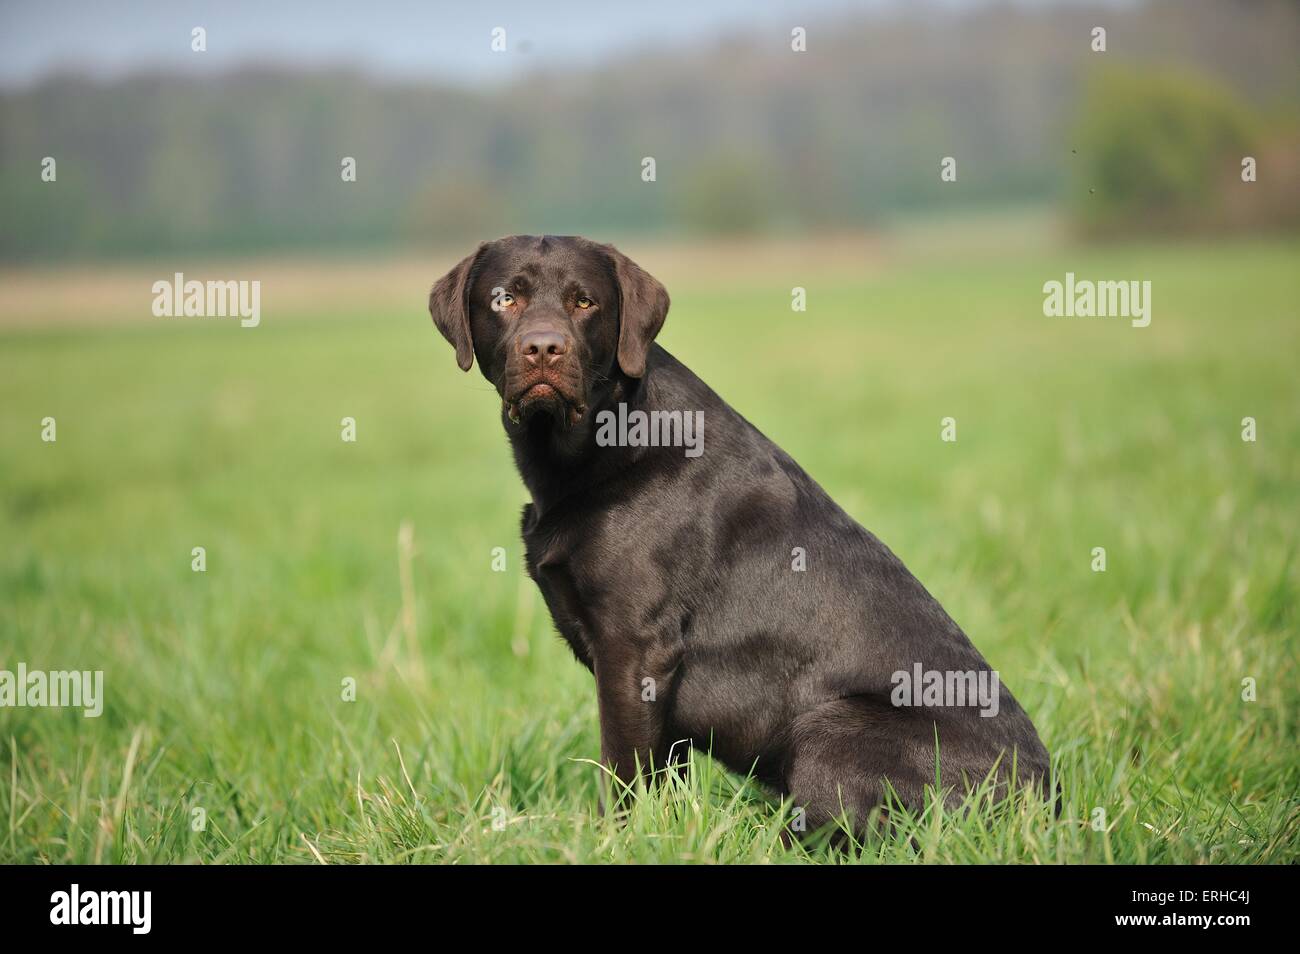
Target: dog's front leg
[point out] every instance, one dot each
(634, 683)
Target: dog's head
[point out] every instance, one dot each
(553, 320)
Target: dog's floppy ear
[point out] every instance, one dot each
(450, 309)
(642, 308)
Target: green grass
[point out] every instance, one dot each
(224, 688)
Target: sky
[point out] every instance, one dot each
(414, 39)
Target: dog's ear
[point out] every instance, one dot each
(449, 305)
(642, 308)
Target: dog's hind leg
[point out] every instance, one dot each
(839, 756)
(843, 754)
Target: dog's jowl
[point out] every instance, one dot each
(670, 573)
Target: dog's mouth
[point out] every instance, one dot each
(547, 396)
(542, 389)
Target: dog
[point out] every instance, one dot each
(723, 598)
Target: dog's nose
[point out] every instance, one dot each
(533, 344)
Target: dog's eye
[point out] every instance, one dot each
(585, 302)
(503, 300)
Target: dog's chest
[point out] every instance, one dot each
(552, 563)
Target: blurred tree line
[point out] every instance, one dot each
(746, 136)
(1171, 151)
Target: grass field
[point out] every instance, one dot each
(473, 730)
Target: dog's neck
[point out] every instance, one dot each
(555, 460)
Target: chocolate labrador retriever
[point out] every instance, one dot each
(715, 591)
